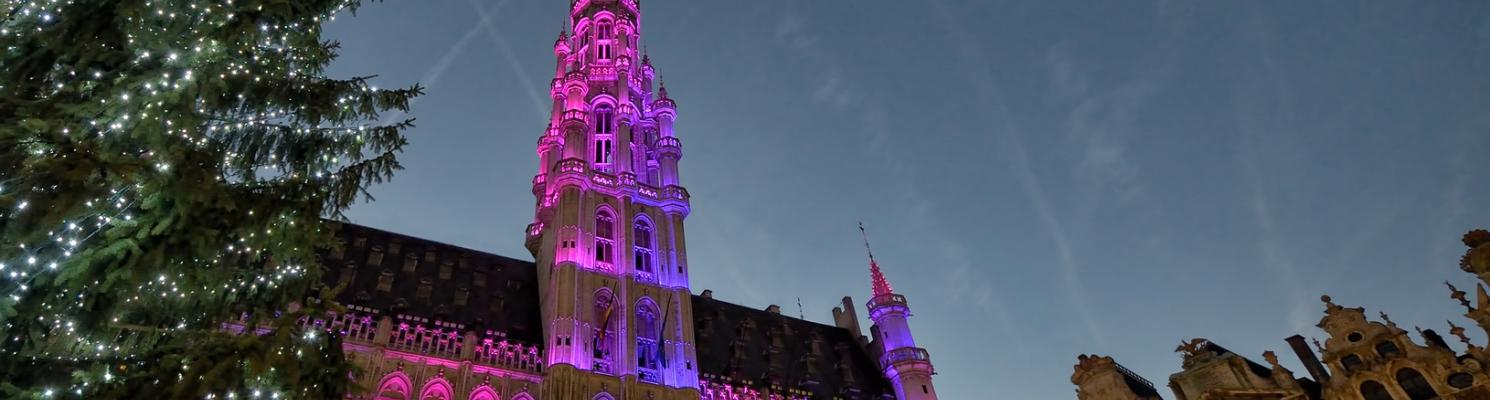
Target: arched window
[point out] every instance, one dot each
(604, 236)
(641, 236)
(1373, 390)
(394, 386)
(604, 35)
(436, 389)
(603, 343)
(648, 341)
(484, 393)
(604, 126)
(1413, 383)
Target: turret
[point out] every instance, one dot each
(908, 367)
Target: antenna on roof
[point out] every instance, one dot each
(800, 314)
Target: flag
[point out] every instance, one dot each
(604, 323)
(662, 333)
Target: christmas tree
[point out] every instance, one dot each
(167, 171)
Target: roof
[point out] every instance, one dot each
(435, 283)
(1137, 384)
(757, 348)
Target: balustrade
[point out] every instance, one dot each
(905, 354)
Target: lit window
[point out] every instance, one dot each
(648, 341)
(604, 225)
(641, 234)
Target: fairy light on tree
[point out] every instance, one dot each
(165, 166)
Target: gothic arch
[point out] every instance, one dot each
(604, 16)
(394, 386)
(644, 243)
(603, 396)
(648, 335)
(485, 392)
(603, 99)
(436, 389)
(1373, 390)
(522, 396)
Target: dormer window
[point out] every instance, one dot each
(1387, 349)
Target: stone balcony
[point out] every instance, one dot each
(906, 355)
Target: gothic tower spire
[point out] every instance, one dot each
(908, 367)
(607, 232)
(881, 286)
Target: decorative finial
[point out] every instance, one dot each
(881, 286)
(1328, 302)
(1387, 319)
(1456, 294)
(1457, 330)
(1316, 345)
(1272, 358)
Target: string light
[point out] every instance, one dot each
(153, 109)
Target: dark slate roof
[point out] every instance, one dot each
(427, 280)
(427, 277)
(1257, 369)
(742, 345)
(1137, 384)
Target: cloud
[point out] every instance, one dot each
(1029, 184)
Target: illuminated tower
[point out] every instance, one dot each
(608, 231)
(908, 367)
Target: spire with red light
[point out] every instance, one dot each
(881, 286)
(907, 366)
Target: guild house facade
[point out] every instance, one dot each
(1362, 358)
(605, 310)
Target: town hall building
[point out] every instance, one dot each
(604, 311)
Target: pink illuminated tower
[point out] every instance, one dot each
(607, 236)
(908, 367)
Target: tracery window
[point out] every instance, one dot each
(1413, 383)
(604, 236)
(1373, 390)
(641, 233)
(436, 389)
(604, 35)
(648, 341)
(395, 386)
(604, 127)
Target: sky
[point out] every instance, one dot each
(1040, 178)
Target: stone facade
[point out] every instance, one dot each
(1361, 358)
(605, 310)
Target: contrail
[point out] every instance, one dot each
(539, 99)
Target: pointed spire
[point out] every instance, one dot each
(661, 88)
(881, 286)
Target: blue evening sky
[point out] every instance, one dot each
(1040, 178)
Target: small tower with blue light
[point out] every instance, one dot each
(907, 366)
